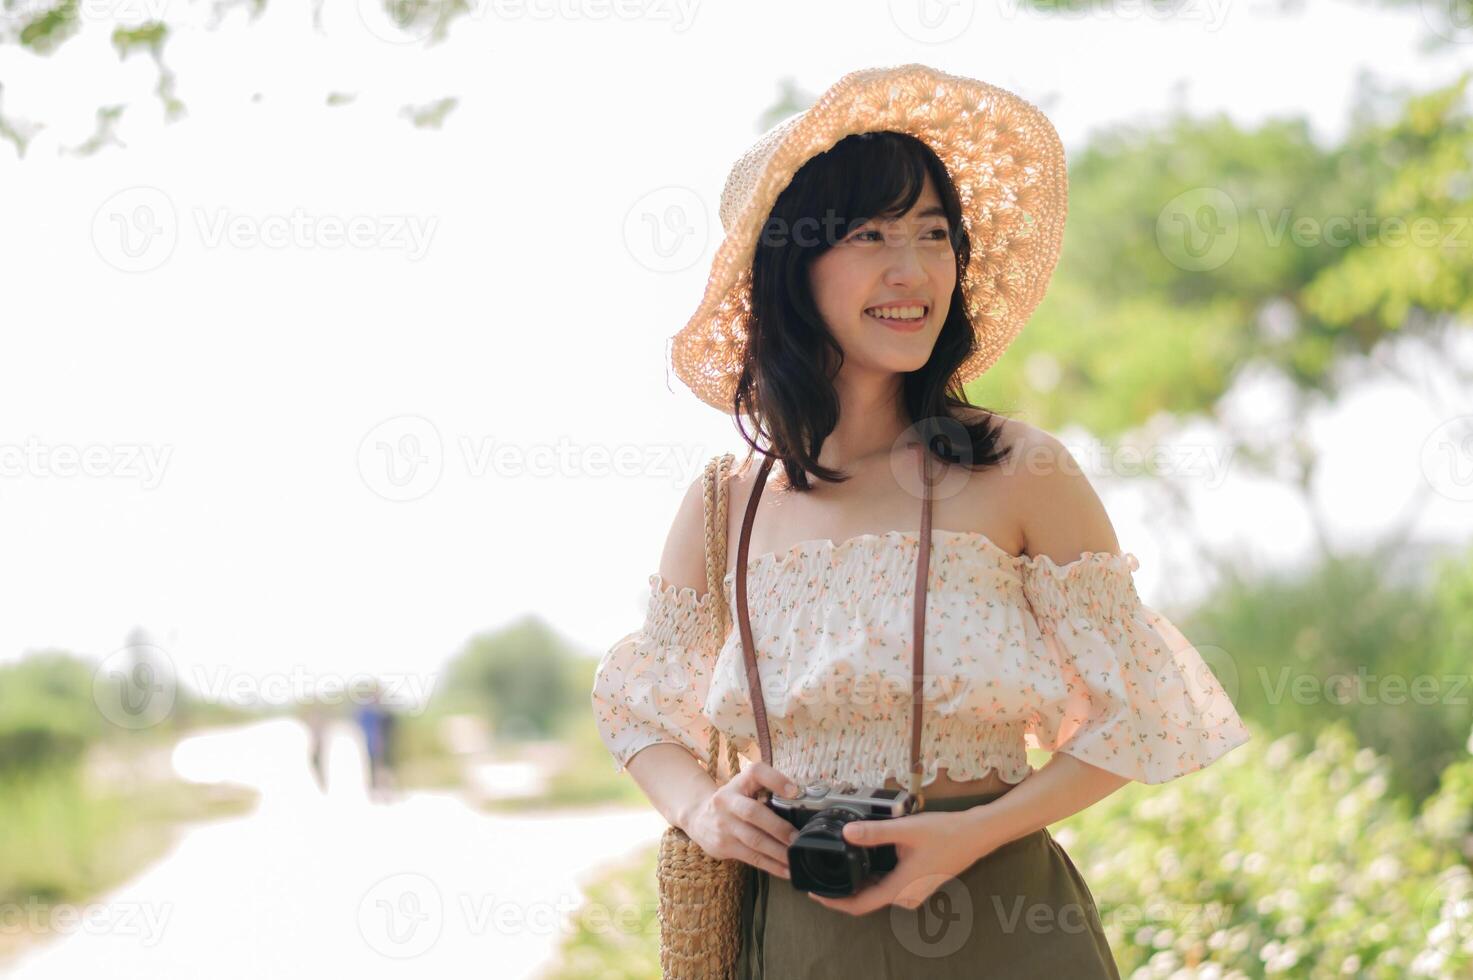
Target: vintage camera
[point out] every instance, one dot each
(820, 860)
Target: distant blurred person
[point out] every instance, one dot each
(371, 718)
(389, 721)
(317, 721)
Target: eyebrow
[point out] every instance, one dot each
(935, 211)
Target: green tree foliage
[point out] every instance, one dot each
(63, 834)
(1199, 251)
(42, 27)
(47, 714)
(525, 679)
(1342, 642)
(54, 704)
(1182, 240)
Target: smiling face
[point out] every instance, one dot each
(904, 267)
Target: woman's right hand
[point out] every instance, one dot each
(731, 823)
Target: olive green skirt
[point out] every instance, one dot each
(1022, 911)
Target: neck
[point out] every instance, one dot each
(871, 421)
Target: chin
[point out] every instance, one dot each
(902, 364)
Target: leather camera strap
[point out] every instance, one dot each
(744, 624)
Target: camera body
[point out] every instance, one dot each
(820, 860)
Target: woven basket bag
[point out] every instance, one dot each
(701, 896)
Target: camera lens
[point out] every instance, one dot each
(828, 871)
(823, 858)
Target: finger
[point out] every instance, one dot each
(851, 905)
(868, 833)
(876, 896)
(758, 860)
(770, 823)
(762, 776)
(837, 904)
(911, 901)
(755, 839)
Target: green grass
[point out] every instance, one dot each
(56, 842)
(63, 842)
(616, 931)
(423, 761)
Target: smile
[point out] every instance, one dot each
(907, 319)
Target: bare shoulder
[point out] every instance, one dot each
(1061, 513)
(741, 481)
(1049, 497)
(683, 560)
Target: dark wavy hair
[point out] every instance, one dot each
(785, 388)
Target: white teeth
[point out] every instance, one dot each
(898, 312)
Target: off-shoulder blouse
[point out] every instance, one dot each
(1020, 652)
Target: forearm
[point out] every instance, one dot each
(1061, 787)
(672, 779)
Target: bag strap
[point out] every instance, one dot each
(923, 567)
(714, 485)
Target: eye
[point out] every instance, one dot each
(937, 234)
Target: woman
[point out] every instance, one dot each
(882, 248)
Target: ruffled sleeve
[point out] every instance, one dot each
(1129, 693)
(651, 685)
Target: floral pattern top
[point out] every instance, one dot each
(1020, 652)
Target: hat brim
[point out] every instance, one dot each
(1001, 152)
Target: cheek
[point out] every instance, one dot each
(837, 285)
(943, 273)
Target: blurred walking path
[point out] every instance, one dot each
(319, 886)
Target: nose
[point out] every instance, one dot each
(905, 266)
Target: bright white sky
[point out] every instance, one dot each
(267, 381)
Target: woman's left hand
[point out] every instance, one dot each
(929, 847)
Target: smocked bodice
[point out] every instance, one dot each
(1020, 651)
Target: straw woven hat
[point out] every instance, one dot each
(1003, 155)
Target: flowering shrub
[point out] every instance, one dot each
(1284, 858)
